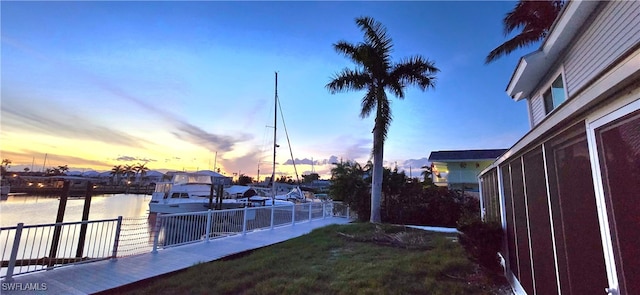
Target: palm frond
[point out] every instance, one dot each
(368, 102)
(396, 87)
(350, 51)
(521, 40)
(375, 34)
(348, 79)
(414, 71)
(532, 14)
(535, 18)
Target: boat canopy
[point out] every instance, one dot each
(179, 179)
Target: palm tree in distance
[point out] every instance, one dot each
(6, 163)
(376, 73)
(141, 169)
(63, 169)
(128, 171)
(534, 17)
(116, 171)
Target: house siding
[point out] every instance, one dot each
(537, 109)
(614, 31)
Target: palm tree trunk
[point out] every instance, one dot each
(376, 180)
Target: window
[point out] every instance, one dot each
(555, 95)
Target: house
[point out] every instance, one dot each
(566, 193)
(459, 169)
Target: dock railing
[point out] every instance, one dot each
(183, 228)
(30, 248)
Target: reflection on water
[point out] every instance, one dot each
(30, 209)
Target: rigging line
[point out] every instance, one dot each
(288, 141)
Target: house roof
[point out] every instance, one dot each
(459, 155)
(534, 66)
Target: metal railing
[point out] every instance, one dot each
(182, 228)
(29, 248)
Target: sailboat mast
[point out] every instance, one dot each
(275, 122)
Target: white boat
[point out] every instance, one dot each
(186, 192)
(253, 197)
(294, 195)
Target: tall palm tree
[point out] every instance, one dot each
(376, 73)
(534, 17)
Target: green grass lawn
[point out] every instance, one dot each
(339, 259)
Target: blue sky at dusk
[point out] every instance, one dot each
(98, 84)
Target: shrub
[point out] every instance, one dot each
(434, 206)
(482, 241)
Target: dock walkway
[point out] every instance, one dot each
(105, 275)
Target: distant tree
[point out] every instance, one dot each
(392, 184)
(426, 174)
(6, 164)
(26, 169)
(535, 18)
(54, 171)
(141, 170)
(311, 177)
(115, 173)
(129, 171)
(350, 183)
(244, 180)
(285, 179)
(63, 169)
(376, 73)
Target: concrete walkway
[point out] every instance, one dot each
(104, 275)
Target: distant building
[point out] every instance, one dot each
(459, 169)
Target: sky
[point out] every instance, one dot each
(191, 85)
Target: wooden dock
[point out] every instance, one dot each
(102, 276)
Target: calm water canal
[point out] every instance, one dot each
(30, 209)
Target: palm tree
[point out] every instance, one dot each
(115, 173)
(128, 171)
(534, 17)
(376, 73)
(6, 163)
(63, 169)
(426, 174)
(141, 169)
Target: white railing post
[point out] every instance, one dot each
(14, 253)
(117, 239)
(348, 213)
(156, 232)
(244, 221)
(208, 231)
(310, 203)
(272, 214)
(293, 215)
(324, 212)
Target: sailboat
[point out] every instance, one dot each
(295, 195)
